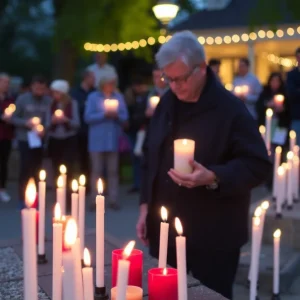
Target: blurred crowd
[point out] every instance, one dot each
(87, 127)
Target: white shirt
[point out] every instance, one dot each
(99, 72)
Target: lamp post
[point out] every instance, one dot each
(165, 11)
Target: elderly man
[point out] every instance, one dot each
(230, 159)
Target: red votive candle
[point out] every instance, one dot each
(135, 269)
(162, 284)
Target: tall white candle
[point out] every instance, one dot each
(100, 205)
(262, 130)
(296, 177)
(42, 207)
(276, 261)
(254, 257)
(29, 243)
(81, 216)
(293, 137)
(57, 255)
(163, 242)
(183, 153)
(77, 269)
(269, 115)
(60, 194)
(74, 200)
(181, 261)
(123, 272)
(87, 275)
(63, 174)
(69, 275)
(277, 160)
(280, 189)
(290, 199)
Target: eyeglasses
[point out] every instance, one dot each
(179, 79)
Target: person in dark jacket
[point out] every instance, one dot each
(230, 159)
(293, 89)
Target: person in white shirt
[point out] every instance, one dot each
(246, 86)
(100, 68)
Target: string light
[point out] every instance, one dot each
(283, 61)
(209, 40)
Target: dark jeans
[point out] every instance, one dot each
(30, 165)
(5, 148)
(215, 269)
(64, 151)
(83, 158)
(136, 163)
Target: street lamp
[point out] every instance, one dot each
(165, 11)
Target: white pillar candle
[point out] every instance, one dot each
(269, 115)
(181, 261)
(163, 242)
(296, 177)
(262, 130)
(87, 276)
(290, 199)
(57, 255)
(293, 137)
(254, 257)
(81, 212)
(153, 101)
(74, 200)
(276, 261)
(277, 160)
(100, 210)
(77, 269)
(183, 153)
(111, 105)
(60, 194)
(29, 244)
(42, 207)
(280, 197)
(123, 272)
(63, 174)
(69, 278)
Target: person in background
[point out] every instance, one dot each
(6, 134)
(136, 98)
(105, 129)
(100, 68)
(253, 87)
(293, 89)
(80, 94)
(215, 65)
(28, 106)
(62, 131)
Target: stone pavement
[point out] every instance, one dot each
(121, 225)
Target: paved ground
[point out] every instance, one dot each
(120, 225)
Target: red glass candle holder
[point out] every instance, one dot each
(135, 269)
(162, 284)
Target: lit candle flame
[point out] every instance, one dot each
(100, 186)
(262, 129)
(292, 134)
(245, 89)
(35, 121)
(277, 233)
(63, 169)
(70, 233)
(74, 185)
(278, 149)
(59, 113)
(238, 89)
(256, 221)
(269, 112)
(184, 142)
(82, 180)
(279, 98)
(128, 249)
(164, 214)
(178, 226)
(60, 182)
(39, 128)
(57, 212)
(42, 175)
(265, 205)
(30, 193)
(290, 155)
(154, 100)
(258, 212)
(86, 257)
(165, 271)
(12, 107)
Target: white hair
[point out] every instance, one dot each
(108, 76)
(183, 45)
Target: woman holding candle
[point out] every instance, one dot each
(105, 128)
(212, 198)
(6, 133)
(62, 124)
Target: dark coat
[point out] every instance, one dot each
(229, 144)
(293, 88)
